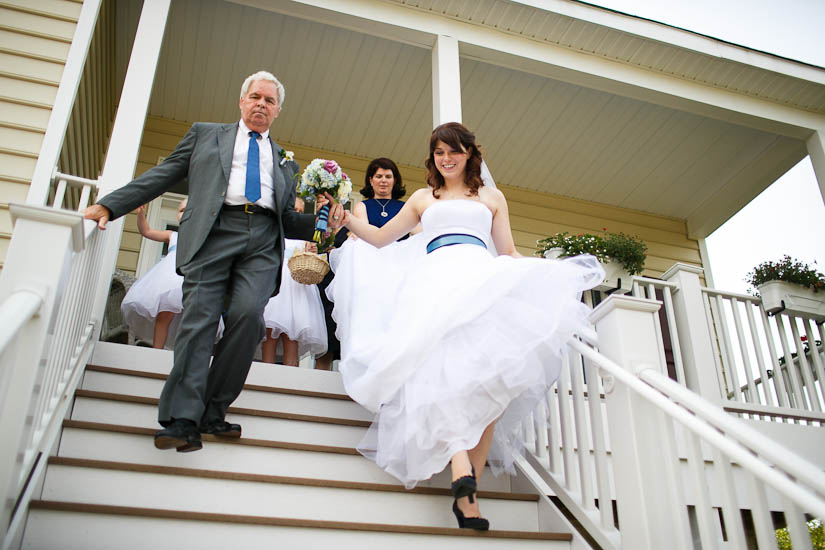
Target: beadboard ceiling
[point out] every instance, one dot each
(367, 95)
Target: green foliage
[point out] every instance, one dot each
(628, 251)
(816, 530)
(789, 270)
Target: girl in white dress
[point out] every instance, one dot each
(295, 317)
(448, 344)
(153, 301)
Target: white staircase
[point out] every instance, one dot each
(293, 480)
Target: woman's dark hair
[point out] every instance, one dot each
(459, 138)
(398, 189)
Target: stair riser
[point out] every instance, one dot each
(160, 361)
(119, 447)
(278, 402)
(255, 427)
(82, 531)
(222, 496)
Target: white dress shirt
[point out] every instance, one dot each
(236, 192)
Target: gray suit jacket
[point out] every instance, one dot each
(204, 156)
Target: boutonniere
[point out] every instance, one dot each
(286, 156)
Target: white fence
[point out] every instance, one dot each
(771, 366)
(687, 467)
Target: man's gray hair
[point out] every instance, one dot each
(264, 75)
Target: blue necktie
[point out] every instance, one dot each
(253, 169)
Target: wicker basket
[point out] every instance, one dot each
(308, 268)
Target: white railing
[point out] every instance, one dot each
(56, 277)
(770, 367)
(683, 460)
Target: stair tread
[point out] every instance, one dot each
(111, 396)
(77, 507)
(288, 480)
(256, 387)
(102, 426)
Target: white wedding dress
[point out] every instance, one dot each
(440, 345)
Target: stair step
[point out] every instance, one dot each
(134, 445)
(89, 526)
(263, 397)
(138, 358)
(93, 406)
(122, 484)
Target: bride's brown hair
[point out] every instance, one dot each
(459, 138)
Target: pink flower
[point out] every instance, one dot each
(331, 166)
(344, 176)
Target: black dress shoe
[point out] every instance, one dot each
(221, 428)
(181, 435)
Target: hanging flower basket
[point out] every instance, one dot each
(793, 299)
(621, 256)
(790, 286)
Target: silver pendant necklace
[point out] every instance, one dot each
(383, 207)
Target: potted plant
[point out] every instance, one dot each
(621, 255)
(791, 286)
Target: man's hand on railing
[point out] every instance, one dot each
(98, 213)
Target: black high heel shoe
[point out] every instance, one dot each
(479, 524)
(465, 486)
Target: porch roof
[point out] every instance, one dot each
(566, 98)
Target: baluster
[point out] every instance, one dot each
(730, 507)
(752, 395)
(59, 193)
(84, 198)
(797, 395)
(599, 433)
(797, 526)
(704, 511)
(810, 333)
(554, 440)
(566, 420)
(540, 422)
(762, 522)
(717, 346)
(760, 360)
(727, 352)
(651, 294)
(585, 470)
(778, 377)
(674, 336)
(813, 398)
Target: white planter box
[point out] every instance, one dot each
(796, 299)
(616, 278)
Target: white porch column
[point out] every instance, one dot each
(127, 131)
(692, 325)
(652, 514)
(816, 150)
(446, 81)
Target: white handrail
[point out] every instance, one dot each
(16, 310)
(807, 499)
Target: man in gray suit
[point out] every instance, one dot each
(230, 249)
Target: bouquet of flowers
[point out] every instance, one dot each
(324, 176)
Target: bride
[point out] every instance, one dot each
(449, 344)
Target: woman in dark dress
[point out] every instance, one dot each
(383, 187)
(382, 190)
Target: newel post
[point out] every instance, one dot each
(691, 322)
(651, 515)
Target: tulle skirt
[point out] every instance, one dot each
(160, 289)
(441, 345)
(297, 311)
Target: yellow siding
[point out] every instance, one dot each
(532, 215)
(35, 38)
